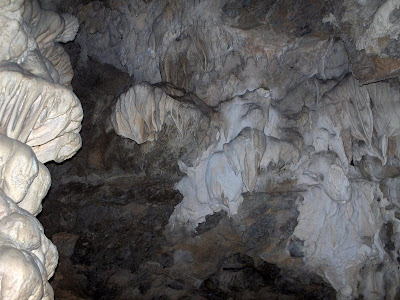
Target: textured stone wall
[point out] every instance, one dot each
(268, 99)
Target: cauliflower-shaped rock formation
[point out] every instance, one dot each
(40, 120)
(27, 258)
(25, 180)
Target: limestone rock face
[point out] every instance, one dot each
(170, 37)
(279, 110)
(314, 140)
(372, 28)
(232, 152)
(340, 209)
(39, 122)
(384, 25)
(164, 41)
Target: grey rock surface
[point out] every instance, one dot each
(258, 142)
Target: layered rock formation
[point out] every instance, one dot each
(39, 122)
(283, 120)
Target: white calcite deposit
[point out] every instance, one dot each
(45, 115)
(341, 214)
(273, 103)
(40, 120)
(217, 177)
(142, 111)
(384, 24)
(27, 258)
(25, 180)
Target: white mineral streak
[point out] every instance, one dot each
(40, 120)
(382, 26)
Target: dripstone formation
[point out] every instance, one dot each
(231, 149)
(40, 120)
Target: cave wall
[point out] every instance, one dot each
(226, 142)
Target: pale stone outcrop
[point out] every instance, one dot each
(342, 214)
(24, 179)
(40, 114)
(40, 120)
(48, 29)
(142, 111)
(343, 236)
(27, 258)
(34, 107)
(384, 25)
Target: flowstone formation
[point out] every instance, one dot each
(341, 213)
(285, 116)
(230, 146)
(314, 136)
(39, 122)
